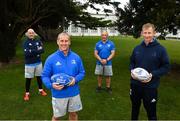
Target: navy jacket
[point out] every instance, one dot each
(153, 58)
(32, 51)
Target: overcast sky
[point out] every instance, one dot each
(123, 2)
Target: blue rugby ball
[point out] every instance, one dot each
(61, 79)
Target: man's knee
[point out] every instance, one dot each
(73, 115)
(55, 118)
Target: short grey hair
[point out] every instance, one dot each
(63, 34)
(104, 32)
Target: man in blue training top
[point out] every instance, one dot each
(153, 57)
(64, 61)
(33, 49)
(104, 52)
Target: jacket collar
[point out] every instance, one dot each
(61, 53)
(105, 41)
(153, 43)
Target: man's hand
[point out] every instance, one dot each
(148, 80)
(39, 47)
(72, 82)
(57, 86)
(103, 61)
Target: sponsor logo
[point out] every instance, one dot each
(73, 61)
(58, 63)
(153, 100)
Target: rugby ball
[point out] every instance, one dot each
(141, 74)
(61, 79)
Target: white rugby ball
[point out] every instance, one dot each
(141, 74)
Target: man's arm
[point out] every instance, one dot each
(81, 70)
(40, 48)
(96, 55)
(111, 55)
(132, 61)
(164, 65)
(27, 51)
(103, 61)
(46, 74)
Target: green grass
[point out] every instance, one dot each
(101, 106)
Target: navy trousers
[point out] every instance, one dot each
(140, 93)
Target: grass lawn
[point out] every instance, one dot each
(96, 106)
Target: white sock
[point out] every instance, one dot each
(40, 90)
(27, 93)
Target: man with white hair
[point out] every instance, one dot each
(33, 49)
(65, 98)
(104, 52)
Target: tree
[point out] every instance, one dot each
(164, 14)
(7, 32)
(19, 15)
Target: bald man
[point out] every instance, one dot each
(33, 49)
(104, 52)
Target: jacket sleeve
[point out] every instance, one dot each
(132, 61)
(40, 48)
(33, 51)
(46, 74)
(113, 46)
(164, 65)
(28, 52)
(81, 71)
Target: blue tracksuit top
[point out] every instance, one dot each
(104, 50)
(153, 58)
(59, 63)
(32, 51)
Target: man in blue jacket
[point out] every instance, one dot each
(33, 48)
(153, 57)
(64, 61)
(104, 52)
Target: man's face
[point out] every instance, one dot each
(148, 34)
(104, 36)
(31, 34)
(63, 43)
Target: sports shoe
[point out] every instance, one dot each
(43, 93)
(109, 90)
(26, 97)
(98, 89)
